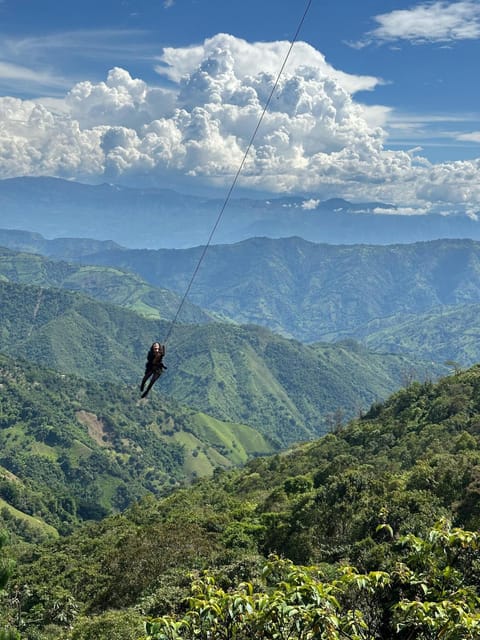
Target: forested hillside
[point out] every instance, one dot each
(445, 333)
(286, 390)
(420, 300)
(72, 449)
(108, 284)
(346, 499)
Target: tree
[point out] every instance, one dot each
(430, 592)
(296, 603)
(6, 567)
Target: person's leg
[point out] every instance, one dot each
(145, 378)
(155, 377)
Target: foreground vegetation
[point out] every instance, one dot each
(333, 539)
(428, 592)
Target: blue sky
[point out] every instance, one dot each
(379, 100)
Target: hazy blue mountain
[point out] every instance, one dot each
(162, 218)
(314, 291)
(31, 242)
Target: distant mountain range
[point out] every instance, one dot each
(420, 300)
(162, 218)
(316, 292)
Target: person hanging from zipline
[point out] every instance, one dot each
(154, 366)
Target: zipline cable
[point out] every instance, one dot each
(237, 175)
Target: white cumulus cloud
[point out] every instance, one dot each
(438, 21)
(472, 136)
(310, 204)
(254, 58)
(315, 138)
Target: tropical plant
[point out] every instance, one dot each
(430, 592)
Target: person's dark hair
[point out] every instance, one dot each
(161, 347)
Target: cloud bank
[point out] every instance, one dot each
(193, 129)
(428, 22)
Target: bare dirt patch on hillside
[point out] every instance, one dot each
(95, 427)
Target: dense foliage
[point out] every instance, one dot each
(359, 506)
(6, 631)
(430, 591)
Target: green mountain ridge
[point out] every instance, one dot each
(286, 390)
(108, 284)
(432, 288)
(447, 333)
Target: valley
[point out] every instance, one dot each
(321, 403)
